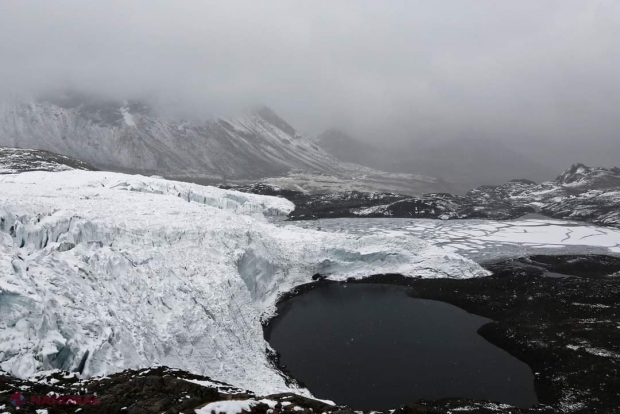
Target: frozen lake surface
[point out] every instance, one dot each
(483, 240)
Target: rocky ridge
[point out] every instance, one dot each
(16, 160)
(580, 193)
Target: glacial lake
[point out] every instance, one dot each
(372, 347)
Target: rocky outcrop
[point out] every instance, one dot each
(16, 160)
(581, 193)
(164, 390)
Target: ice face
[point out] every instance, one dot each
(103, 271)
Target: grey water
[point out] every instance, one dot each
(372, 347)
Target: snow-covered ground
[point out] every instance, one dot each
(486, 239)
(103, 271)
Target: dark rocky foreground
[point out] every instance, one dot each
(165, 390)
(580, 193)
(559, 314)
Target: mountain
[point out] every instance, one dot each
(581, 176)
(465, 162)
(131, 136)
(346, 148)
(473, 162)
(16, 160)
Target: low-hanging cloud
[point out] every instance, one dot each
(539, 73)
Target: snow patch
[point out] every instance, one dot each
(228, 407)
(127, 116)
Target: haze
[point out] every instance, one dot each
(542, 76)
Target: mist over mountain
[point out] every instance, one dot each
(136, 136)
(346, 148)
(466, 162)
(131, 136)
(540, 76)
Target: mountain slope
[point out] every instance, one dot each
(474, 162)
(346, 148)
(16, 160)
(130, 136)
(466, 162)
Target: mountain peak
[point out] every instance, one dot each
(578, 167)
(127, 136)
(594, 177)
(274, 119)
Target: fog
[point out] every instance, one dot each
(534, 74)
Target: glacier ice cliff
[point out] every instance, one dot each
(102, 271)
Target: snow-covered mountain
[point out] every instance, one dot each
(130, 136)
(103, 271)
(591, 178)
(16, 160)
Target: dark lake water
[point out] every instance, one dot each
(370, 346)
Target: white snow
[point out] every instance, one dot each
(128, 117)
(140, 271)
(236, 406)
(227, 407)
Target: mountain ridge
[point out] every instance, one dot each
(16, 160)
(130, 136)
(596, 199)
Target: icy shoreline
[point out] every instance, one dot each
(109, 271)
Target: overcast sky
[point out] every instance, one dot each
(531, 72)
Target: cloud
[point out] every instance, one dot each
(527, 71)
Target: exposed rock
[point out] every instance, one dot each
(581, 193)
(565, 328)
(16, 160)
(165, 390)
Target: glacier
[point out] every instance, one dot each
(101, 272)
